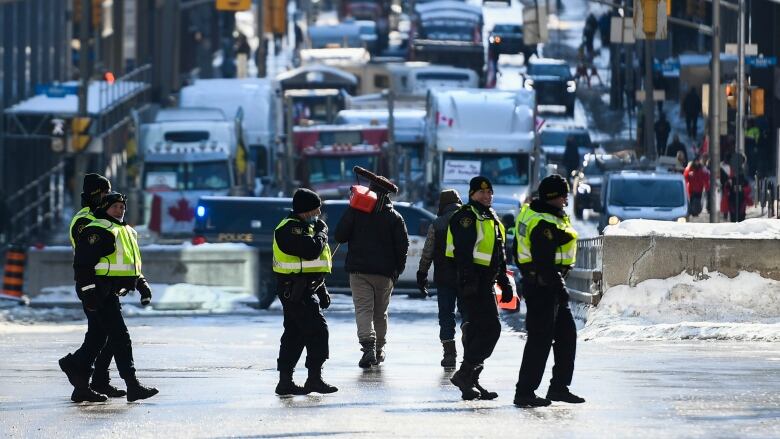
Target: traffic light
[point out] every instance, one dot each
(668, 8)
(649, 17)
(757, 101)
(97, 13)
(731, 95)
(108, 76)
(80, 136)
(234, 5)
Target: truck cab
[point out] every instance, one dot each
(482, 132)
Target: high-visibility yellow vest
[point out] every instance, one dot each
(126, 258)
(565, 255)
(486, 238)
(289, 264)
(85, 212)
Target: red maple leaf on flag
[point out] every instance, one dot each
(182, 211)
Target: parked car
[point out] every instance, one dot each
(553, 82)
(643, 195)
(552, 140)
(252, 221)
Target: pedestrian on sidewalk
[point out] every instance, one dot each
(475, 241)
(736, 191)
(662, 130)
(676, 146)
(697, 182)
(378, 243)
(691, 110)
(107, 263)
(301, 260)
(95, 187)
(546, 251)
(444, 274)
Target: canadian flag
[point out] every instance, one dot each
(442, 119)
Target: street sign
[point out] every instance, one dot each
(535, 25)
(761, 62)
(660, 19)
(621, 30)
(56, 90)
(750, 49)
(234, 5)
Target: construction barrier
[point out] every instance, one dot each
(232, 268)
(13, 274)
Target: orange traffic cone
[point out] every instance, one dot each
(13, 277)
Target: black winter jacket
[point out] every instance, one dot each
(444, 272)
(378, 241)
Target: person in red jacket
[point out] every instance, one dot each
(736, 188)
(697, 181)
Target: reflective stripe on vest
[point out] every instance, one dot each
(486, 238)
(289, 264)
(565, 255)
(126, 259)
(83, 213)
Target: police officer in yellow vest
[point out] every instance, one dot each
(546, 248)
(475, 239)
(94, 188)
(301, 259)
(107, 264)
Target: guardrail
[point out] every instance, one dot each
(767, 196)
(584, 281)
(35, 208)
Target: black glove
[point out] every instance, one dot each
(507, 292)
(146, 293)
(320, 227)
(422, 283)
(89, 296)
(322, 294)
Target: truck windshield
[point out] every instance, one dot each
(560, 70)
(334, 169)
(187, 176)
(448, 31)
(341, 137)
(559, 138)
(499, 168)
(646, 192)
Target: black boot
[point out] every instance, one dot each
(136, 391)
(71, 369)
(380, 353)
(79, 378)
(287, 386)
(483, 393)
(315, 383)
(530, 400)
(450, 354)
(464, 380)
(369, 354)
(85, 394)
(564, 395)
(101, 383)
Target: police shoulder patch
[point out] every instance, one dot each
(93, 238)
(466, 222)
(548, 234)
(296, 231)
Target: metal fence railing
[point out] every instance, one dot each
(35, 208)
(584, 281)
(768, 197)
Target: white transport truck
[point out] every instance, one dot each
(474, 132)
(255, 99)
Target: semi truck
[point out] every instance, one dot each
(474, 132)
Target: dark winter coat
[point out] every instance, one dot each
(444, 272)
(378, 241)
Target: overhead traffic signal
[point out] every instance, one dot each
(757, 101)
(80, 136)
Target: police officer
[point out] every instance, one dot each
(546, 247)
(475, 239)
(107, 264)
(443, 274)
(301, 259)
(94, 188)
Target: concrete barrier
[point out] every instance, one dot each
(628, 260)
(230, 267)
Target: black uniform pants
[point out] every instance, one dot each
(304, 327)
(106, 329)
(481, 327)
(549, 323)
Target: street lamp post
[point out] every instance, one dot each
(715, 113)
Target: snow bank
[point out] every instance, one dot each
(746, 307)
(754, 228)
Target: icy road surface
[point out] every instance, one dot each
(216, 376)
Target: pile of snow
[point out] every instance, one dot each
(713, 307)
(754, 228)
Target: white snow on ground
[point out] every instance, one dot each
(746, 307)
(754, 228)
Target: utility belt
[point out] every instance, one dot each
(296, 287)
(119, 286)
(529, 271)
